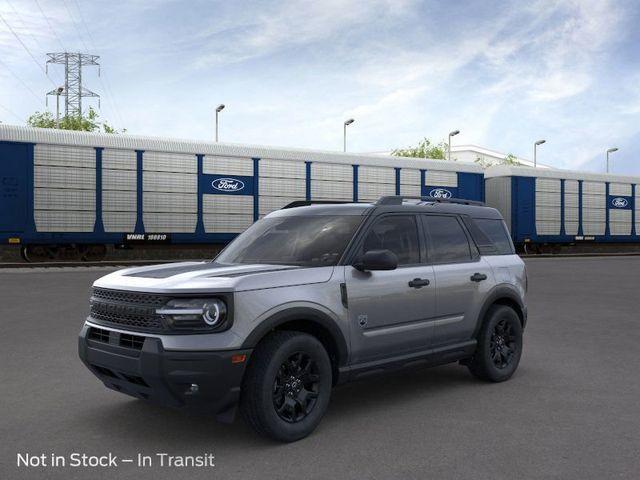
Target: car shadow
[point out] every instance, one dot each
(140, 421)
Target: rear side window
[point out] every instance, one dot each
(397, 233)
(446, 240)
(497, 232)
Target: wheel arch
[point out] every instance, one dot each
(306, 320)
(502, 295)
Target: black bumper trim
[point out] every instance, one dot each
(165, 376)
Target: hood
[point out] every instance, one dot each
(197, 277)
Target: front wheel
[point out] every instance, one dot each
(287, 386)
(499, 345)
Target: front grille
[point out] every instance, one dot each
(127, 309)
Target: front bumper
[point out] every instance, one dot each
(139, 366)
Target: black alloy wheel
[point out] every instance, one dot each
(296, 387)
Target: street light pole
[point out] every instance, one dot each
(535, 152)
(344, 133)
(611, 150)
(59, 90)
(451, 134)
(218, 110)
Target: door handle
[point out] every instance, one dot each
(419, 282)
(478, 277)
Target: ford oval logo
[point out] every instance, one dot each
(440, 193)
(228, 184)
(619, 202)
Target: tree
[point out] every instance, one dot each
(425, 149)
(509, 159)
(85, 123)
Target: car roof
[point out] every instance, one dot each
(474, 211)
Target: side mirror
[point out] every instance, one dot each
(377, 260)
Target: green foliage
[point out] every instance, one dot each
(86, 123)
(510, 159)
(425, 149)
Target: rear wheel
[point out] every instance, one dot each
(287, 386)
(499, 345)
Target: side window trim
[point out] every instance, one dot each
(362, 234)
(474, 255)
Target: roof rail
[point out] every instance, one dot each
(306, 203)
(399, 199)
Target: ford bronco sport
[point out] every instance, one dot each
(310, 297)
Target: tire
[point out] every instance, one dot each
(287, 386)
(499, 345)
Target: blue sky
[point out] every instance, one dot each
(290, 72)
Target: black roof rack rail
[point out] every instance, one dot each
(398, 199)
(306, 203)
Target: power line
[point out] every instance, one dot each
(24, 25)
(27, 49)
(21, 81)
(50, 26)
(11, 112)
(75, 26)
(106, 84)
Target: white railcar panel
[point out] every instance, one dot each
(215, 165)
(283, 187)
(370, 192)
(64, 156)
(119, 221)
(571, 228)
(169, 182)
(548, 227)
(170, 202)
(619, 222)
(411, 190)
(547, 185)
(282, 169)
(548, 213)
(227, 204)
(571, 186)
(155, 222)
(376, 175)
(593, 228)
(594, 188)
(498, 195)
(226, 223)
(64, 221)
(620, 189)
(64, 199)
(594, 215)
(331, 190)
(571, 200)
(119, 159)
(123, 180)
(594, 202)
(548, 199)
(441, 178)
(269, 204)
(409, 176)
(169, 162)
(332, 172)
(64, 177)
(118, 201)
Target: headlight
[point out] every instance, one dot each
(208, 314)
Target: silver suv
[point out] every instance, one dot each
(310, 297)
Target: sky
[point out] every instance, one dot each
(290, 72)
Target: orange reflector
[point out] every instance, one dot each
(14, 240)
(238, 358)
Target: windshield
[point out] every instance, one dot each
(308, 241)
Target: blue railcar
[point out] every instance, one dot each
(84, 190)
(559, 207)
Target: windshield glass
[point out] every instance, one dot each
(308, 241)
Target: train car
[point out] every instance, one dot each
(550, 208)
(82, 191)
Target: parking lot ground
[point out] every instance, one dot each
(572, 411)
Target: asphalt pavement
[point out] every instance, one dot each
(572, 411)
